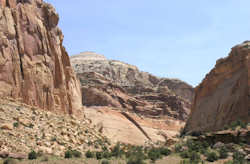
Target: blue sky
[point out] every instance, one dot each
(175, 39)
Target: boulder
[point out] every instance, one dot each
(7, 126)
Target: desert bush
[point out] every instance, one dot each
(184, 154)
(194, 145)
(239, 123)
(165, 151)
(178, 148)
(68, 154)
(99, 155)
(16, 124)
(72, 153)
(105, 162)
(154, 154)
(32, 155)
(89, 154)
(76, 154)
(238, 158)
(135, 160)
(116, 151)
(212, 156)
(223, 153)
(194, 156)
(106, 154)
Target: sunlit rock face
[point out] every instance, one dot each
(34, 66)
(223, 96)
(114, 83)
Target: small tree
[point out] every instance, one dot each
(32, 155)
(89, 154)
(212, 156)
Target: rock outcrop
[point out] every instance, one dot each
(223, 96)
(117, 84)
(151, 107)
(127, 76)
(34, 66)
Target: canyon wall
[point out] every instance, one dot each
(223, 96)
(34, 66)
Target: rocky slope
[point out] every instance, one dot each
(223, 96)
(154, 108)
(34, 66)
(24, 128)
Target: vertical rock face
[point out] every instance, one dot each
(34, 66)
(223, 96)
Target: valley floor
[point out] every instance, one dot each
(172, 159)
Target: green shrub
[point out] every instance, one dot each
(238, 123)
(154, 154)
(32, 155)
(89, 154)
(194, 156)
(68, 154)
(212, 156)
(72, 153)
(135, 160)
(106, 154)
(238, 158)
(178, 148)
(165, 151)
(116, 151)
(184, 154)
(16, 124)
(10, 161)
(105, 162)
(223, 153)
(195, 145)
(99, 155)
(76, 154)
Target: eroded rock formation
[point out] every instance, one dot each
(223, 96)
(135, 106)
(34, 66)
(117, 84)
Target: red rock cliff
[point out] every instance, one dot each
(34, 66)
(223, 96)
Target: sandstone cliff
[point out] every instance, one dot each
(128, 76)
(109, 82)
(34, 66)
(131, 106)
(223, 96)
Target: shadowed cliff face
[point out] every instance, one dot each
(223, 96)
(34, 66)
